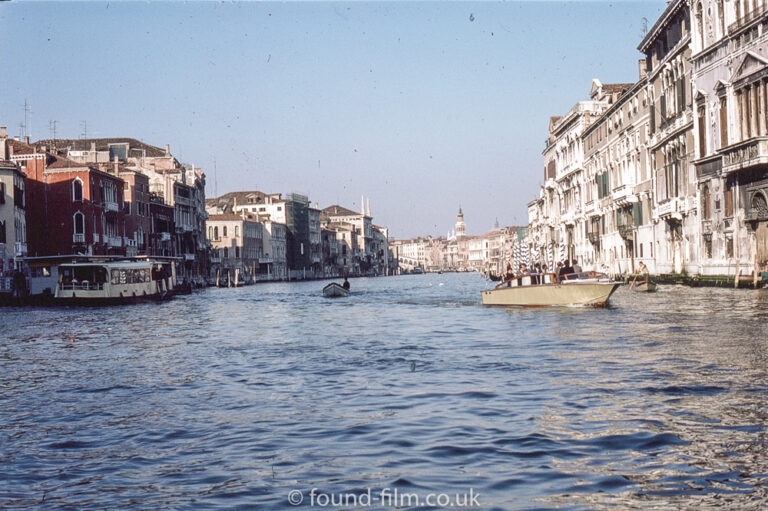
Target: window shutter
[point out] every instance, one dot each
(723, 123)
(702, 132)
(663, 105)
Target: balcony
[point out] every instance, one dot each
(747, 18)
(165, 236)
(78, 238)
(626, 231)
(593, 237)
(111, 206)
(745, 154)
(265, 260)
(189, 257)
(622, 193)
(667, 208)
(114, 241)
(756, 215)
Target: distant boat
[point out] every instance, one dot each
(334, 290)
(417, 271)
(643, 286)
(586, 288)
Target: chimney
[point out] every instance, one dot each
(3, 144)
(26, 139)
(2, 132)
(641, 68)
(116, 165)
(369, 206)
(93, 147)
(167, 149)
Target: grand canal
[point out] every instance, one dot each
(246, 398)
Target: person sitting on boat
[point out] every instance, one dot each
(345, 285)
(524, 269)
(566, 269)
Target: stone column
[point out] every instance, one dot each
(753, 106)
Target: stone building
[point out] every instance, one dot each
(237, 242)
(730, 77)
(13, 223)
(668, 61)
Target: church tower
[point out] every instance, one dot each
(461, 229)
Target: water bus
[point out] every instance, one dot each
(114, 282)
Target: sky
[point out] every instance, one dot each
(421, 107)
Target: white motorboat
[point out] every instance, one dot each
(586, 288)
(334, 290)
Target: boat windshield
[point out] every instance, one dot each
(82, 277)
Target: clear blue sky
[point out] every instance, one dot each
(422, 107)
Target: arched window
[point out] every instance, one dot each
(210, 232)
(237, 231)
(79, 223)
(225, 231)
(77, 190)
(216, 232)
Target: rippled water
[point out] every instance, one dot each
(232, 398)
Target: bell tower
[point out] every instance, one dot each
(461, 228)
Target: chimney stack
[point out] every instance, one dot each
(167, 149)
(641, 68)
(2, 132)
(26, 139)
(93, 147)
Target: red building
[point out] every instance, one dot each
(73, 208)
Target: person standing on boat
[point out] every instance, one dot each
(559, 270)
(576, 268)
(345, 285)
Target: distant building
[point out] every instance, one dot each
(238, 244)
(13, 224)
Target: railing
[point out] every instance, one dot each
(747, 18)
(667, 207)
(110, 206)
(81, 286)
(78, 238)
(745, 154)
(626, 231)
(21, 249)
(114, 241)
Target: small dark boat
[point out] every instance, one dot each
(643, 286)
(334, 290)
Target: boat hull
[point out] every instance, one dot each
(646, 287)
(334, 290)
(577, 293)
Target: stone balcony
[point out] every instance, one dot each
(78, 238)
(667, 208)
(626, 231)
(111, 206)
(745, 154)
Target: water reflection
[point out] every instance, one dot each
(235, 397)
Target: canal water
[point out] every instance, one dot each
(271, 395)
